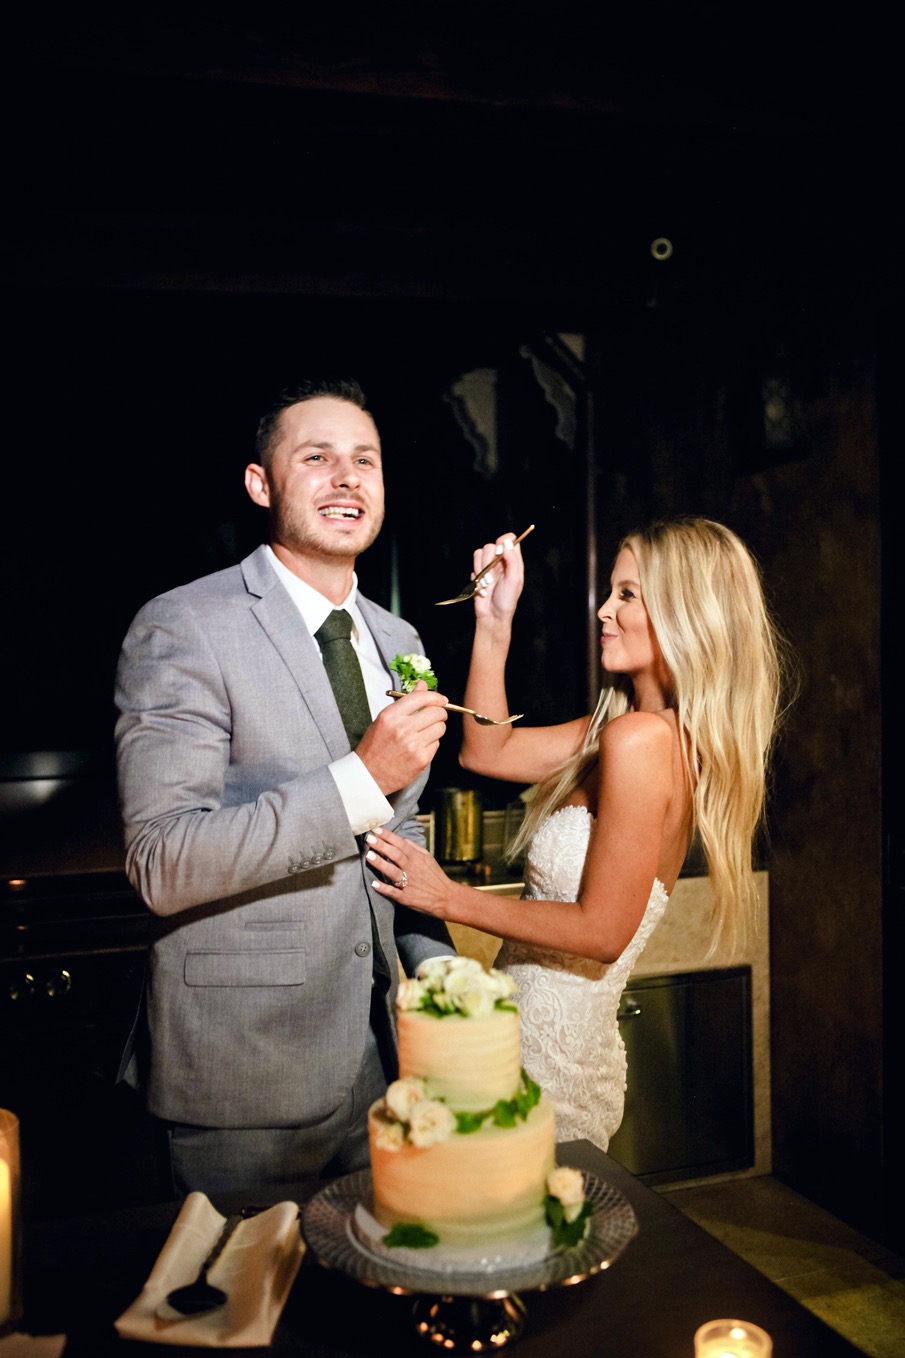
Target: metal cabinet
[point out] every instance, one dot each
(689, 1105)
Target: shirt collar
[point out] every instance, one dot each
(314, 607)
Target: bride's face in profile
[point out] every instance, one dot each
(628, 640)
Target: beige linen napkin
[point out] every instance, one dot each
(256, 1270)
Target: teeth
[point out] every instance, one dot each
(335, 512)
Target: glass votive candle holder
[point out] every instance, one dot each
(10, 1223)
(732, 1339)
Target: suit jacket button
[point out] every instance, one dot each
(362, 949)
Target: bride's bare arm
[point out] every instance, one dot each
(623, 854)
(522, 753)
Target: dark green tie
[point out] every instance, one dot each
(344, 673)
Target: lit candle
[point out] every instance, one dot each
(6, 1244)
(10, 1298)
(732, 1339)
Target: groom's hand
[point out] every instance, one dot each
(403, 739)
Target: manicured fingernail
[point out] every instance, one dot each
(499, 549)
(370, 854)
(370, 839)
(510, 542)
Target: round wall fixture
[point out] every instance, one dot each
(661, 248)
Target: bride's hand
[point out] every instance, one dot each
(499, 591)
(413, 877)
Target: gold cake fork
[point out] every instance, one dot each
(469, 711)
(472, 587)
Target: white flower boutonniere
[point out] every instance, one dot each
(411, 668)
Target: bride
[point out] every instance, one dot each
(677, 746)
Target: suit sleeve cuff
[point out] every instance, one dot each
(364, 803)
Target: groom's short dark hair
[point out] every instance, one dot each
(339, 388)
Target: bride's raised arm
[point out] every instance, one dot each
(522, 753)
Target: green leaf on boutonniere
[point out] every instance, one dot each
(411, 1236)
(562, 1232)
(410, 669)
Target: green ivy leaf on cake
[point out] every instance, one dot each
(567, 1210)
(456, 985)
(528, 1096)
(505, 1112)
(409, 1114)
(407, 1235)
(411, 668)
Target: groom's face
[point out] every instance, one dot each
(324, 486)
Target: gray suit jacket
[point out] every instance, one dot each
(259, 981)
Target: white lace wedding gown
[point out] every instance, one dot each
(571, 1044)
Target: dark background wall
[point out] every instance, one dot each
(202, 210)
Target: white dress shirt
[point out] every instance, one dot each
(364, 803)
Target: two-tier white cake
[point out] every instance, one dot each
(463, 1144)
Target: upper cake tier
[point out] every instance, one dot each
(469, 1063)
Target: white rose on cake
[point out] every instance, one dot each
(411, 992)
(468, 994)
(502, 985)
(458, 985)
(402, 1095)
(430, 1122)
(433, 972)
(408, 1114)
(390, 1135)
(567, 1185)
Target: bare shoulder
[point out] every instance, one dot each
(636, 733)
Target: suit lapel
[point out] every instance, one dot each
(280, 619)
(388, 632)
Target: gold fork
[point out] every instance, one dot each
(471, 588)
(468, 711)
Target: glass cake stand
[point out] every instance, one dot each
(474, 1307)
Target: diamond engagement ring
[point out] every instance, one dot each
(403, 881)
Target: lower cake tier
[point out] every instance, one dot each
(473, 1188)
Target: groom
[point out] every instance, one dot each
(248, 774)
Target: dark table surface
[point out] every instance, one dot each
(80, 1274)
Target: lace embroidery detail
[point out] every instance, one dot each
(571, 1044)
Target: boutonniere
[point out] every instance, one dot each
(410, 669)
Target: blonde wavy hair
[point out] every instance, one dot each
(703, 593)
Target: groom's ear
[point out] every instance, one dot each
(256, 485)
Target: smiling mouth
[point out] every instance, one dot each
(346, 512)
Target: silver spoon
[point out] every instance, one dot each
(201, 1295)
(469, 711)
